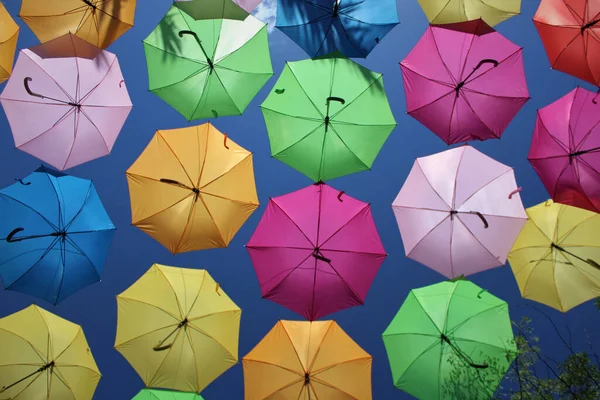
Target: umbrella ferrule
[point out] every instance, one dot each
(307, 379)
(336, 8)
(89, 3)
(589, 25)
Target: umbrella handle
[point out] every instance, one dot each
(339, 197)
(589, 25)
(23, 183)
(487, 61)
(162, 348)
(593, 263)
(225, 141)
(595, 97)
(10, 236)
(320, 257)
(192, 33)
(485, 223)
(26, 84)
(517, 190)
(333, 98)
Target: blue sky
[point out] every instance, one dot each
(133, 252)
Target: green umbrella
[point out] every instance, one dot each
(153, 394)
(211, 9)
(450, 340)
(327, 117)
(207, 68)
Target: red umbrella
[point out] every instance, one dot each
(316, 251)
(570, 31)
(565, 150)
(464, 81)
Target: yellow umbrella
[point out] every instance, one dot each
(99, 22)
(451, 11)
(9, 32)
(43, 356)
(192, 188)
(300, 360)
(177, 328)
(555, 258)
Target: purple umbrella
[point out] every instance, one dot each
(316, 251)
(464, 81)
(66, 101)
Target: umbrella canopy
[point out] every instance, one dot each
(459, 212)
(9, 33)
(570, 33)
(491, 11)
(43, 356)
(316, 251)
(154, 394)
(556, 257)
(450, 334)
(207, 68)
(66, 102)
(192, 188)
(54, 235)
(212, 9)
(353, 27)
(327, 117)
(177, 328)
(464, 81)
(98, 22)
(565, 150)
(307, 360)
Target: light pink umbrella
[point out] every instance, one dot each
(66, 101)
(464, 81)
(316, 251)
(459, 212)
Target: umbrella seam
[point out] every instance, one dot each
(200, 331)
(178, 244)
(294, 347)
(47, 74)
(76, 119)
(349, 103)
(32, 209)
(509, 170)
(249, 155)
(97, 129)
(159, 269)
(213, 220)
(292, 221)
(288, 64)
(60, 120)
(431, 186)
(365, 206)
(199, 62)
(318, 350)
(161, 136)
(87, 95)
(450, 75)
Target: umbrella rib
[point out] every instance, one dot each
(441, 10)
(478, 241)
(201, 166)
(200, 331)
(312, 362)
(51, 78)
(177, 158)
(233, 310)
(458, 326)
(320, 189)
(357, 297)
(508, 171)
(145, 333)
(226, 172)
(239, 49)
(175, 317)
(181, 313)
(450, 75)
(520, 49)
(32, 209)
(163, 210)
(584, 274)
(324, 383)
(226, 198)
(212, 218)
(75, 128)
(189, 338)
(343, 226)
(295, 143)
(348, 36)
(59, 121)
(469, 90)
(291, 270)
(327, 368)
(349, 103)
(304, 91)
(27, 386)
(346, 146)
(311, 119)
(554, 138)
(35, 350)
(187, 223)
(431, 186)
(88, 94)
(427, 234)
(97, 129)
(50, 247)
(202, 63)
(294, 222)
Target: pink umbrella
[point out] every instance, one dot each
(66, 101)
(464, 81)
(565, 150)
(316, 251)
(459, 212)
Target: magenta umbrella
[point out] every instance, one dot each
(66, 101)
(565, 150)
(459, 212)
(316, 251)
(464, 81)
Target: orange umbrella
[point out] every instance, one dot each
(300, 360)
(9, 32)
(99, 22)
(570, 31)
(192, 188)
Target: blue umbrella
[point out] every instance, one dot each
(353, 27)
(54, 235)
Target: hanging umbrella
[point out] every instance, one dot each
(491, 11)
(459, 212)
(556, 257)
(9, 33)
(66, 102)
(565, 150)
(316, 251)
(464, 81)
(322, 26)
(450, 333)
(307, 360)
(177, 328)
(154, 394)
(99, 22)
(43, 356)
(213, 9)
(207, 68)
(327, 117)
(570, 33)
(54, 235)
(192, 188)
